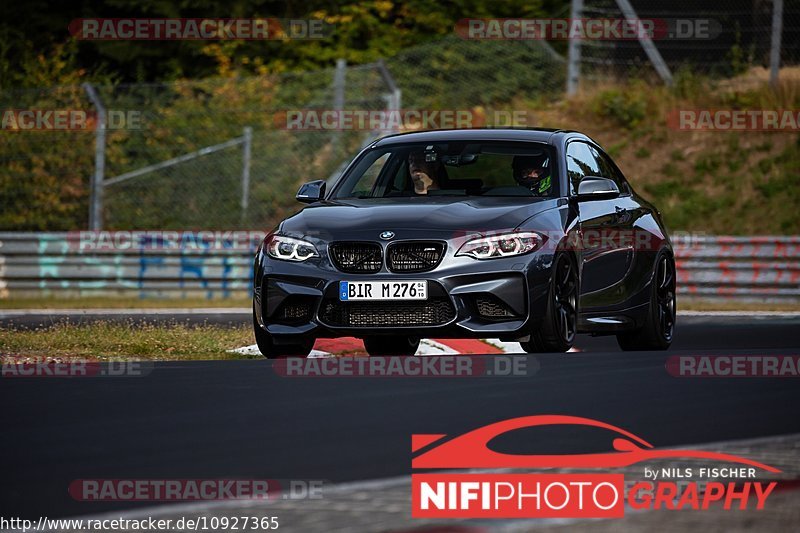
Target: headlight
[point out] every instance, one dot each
(501, 245)
(290, 249)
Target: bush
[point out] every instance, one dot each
(626, 108)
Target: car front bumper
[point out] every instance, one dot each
(467, 298)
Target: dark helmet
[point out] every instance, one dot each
(523, 164)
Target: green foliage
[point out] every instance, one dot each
(364, 32)
(625, 107)
(738, 58)
(616, 148)
(687, 84)
(766, 146)
(707, 164)
(44, 177)
(670, 169)
(182, 117)
(454, 73)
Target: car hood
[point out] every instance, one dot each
(413, 216)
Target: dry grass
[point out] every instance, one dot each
(109, 341)
(99, 302)
(112, 341)
(715, 182)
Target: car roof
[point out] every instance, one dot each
(544, 135)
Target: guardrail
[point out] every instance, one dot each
(751, 268)
(53, 264)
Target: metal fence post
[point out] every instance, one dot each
(96, 197)
(395, 93)
(647, 43)
(574, 57)
(775, 47)
(397, 96)
(338, 97)
(246, 155)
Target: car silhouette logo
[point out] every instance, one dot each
(470, 450)
(387, 235)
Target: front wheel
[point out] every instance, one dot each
(557, 332)
(391, 345)
(659, 326)
(271, 350)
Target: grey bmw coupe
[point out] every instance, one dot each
(531, 236)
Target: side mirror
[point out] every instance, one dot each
(596, 188)
(311, 192)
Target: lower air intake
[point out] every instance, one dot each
(493, 308)
(434, 312)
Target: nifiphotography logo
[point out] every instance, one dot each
(498, 494)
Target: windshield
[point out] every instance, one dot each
(453, 169)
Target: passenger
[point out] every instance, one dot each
(424, 174)
(533, 172)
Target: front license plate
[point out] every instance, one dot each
(383, 290)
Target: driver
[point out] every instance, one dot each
(423, 173)
(533, 172)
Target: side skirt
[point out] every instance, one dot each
(609, 324)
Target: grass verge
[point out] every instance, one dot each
(138, 340)
(106, 302)
(109, 341)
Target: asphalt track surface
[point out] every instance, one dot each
(239, 419)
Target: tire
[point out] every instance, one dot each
(391, 345)
(270, 350)
(560, 324)
(659, 325)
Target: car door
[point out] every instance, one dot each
(605, 250)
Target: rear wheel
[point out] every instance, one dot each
(271, 350)
(391, 345)
(659, 326)
(558, 328)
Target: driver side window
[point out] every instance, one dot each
(580, 162)
(609, 170)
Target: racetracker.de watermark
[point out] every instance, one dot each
(434, 366)
(399, 119)
(733, 366)
(587, 29)
(142, 240)
(734, 119)
(197, 29)
(21, 120)
(33, 367)
(161, 490)
(602, 239)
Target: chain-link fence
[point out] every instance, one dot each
(456, 73)
(194, 162)
(700, 37)
(174, 154)
(223, 154)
